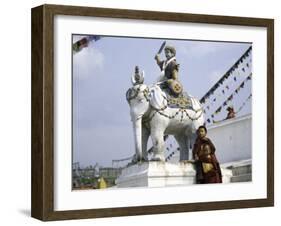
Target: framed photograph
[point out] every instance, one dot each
(142, 112)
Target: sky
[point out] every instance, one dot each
(102, 130)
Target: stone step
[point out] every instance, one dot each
(241, 178)
(240, 170)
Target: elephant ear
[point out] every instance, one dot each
(196, 105)
(158, 99)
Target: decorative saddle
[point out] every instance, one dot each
(176, 98)
(162, 98)
(183, 100)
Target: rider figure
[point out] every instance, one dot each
(169, 68)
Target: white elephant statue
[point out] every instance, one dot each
(151, 116)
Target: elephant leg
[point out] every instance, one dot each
(157, 137)
(183, 142)
(145, 136)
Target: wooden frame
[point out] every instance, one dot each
(43, 111)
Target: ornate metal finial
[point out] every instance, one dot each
(137, 78)
(137, 70)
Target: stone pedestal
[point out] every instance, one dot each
(161, 174)
(157, 174)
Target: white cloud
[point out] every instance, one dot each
(204, 49)
(87, 61)
(199, 49)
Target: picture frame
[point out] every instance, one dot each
(43, 108)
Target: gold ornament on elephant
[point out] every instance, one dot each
(176, 87)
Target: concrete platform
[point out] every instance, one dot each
(161, 174)
(241, 170)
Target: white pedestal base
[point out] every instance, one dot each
(161, 174)
(157, 174)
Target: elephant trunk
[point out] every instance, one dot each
(138, 137)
